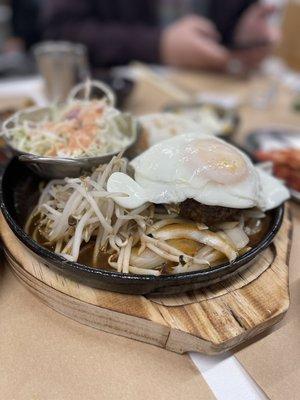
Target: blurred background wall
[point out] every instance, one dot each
(289, 49)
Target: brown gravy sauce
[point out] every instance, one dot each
(86, 252)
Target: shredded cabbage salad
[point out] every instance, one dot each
(80, 128)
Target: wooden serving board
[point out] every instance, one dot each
(211, 320)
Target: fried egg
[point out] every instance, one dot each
(199, 167)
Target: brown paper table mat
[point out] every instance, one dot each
(46, 356)
(274, 361)
(263, 360)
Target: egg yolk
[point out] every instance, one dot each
(215, 161)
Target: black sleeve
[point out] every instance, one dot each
(25, 25)
(225, 14)
(109, 41)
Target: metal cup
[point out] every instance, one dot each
(62, 65)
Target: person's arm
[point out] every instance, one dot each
(254, 37)
(245, 31)
(193, 42)
(109, 43)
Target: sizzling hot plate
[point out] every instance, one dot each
(19, 194)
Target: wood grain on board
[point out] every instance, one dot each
(211, 320)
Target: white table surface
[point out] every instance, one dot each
(30, 87)
(225, 376)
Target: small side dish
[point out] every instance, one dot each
(286, 165)
(187, 203)
(279, 147)
(160, 126)
(210, 118)
(180, 119)
(78, 128)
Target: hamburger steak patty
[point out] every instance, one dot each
(208, 215)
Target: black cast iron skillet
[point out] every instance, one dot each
(19, 194)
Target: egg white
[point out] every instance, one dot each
(172, 171)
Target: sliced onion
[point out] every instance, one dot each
(126, 256)
(214, 256)
(148, 259)
(168, 252)
(227, 225)
(168, 221)
(254, 214)
(205, 236)
(67, 256)
(237, 236)
(253, 226)
(204, 251)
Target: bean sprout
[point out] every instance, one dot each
(73, 212)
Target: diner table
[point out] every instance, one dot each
(44, 355)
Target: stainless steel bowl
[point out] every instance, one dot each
(61, 167)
